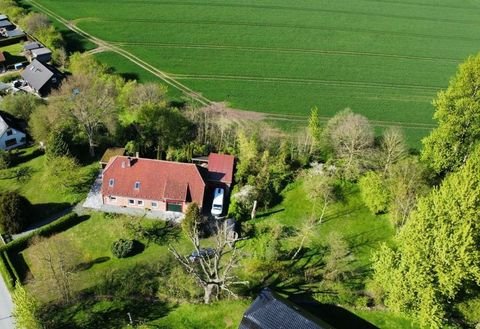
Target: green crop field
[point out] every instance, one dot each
(385, 59)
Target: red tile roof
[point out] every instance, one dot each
(159, 180)
(220, 167)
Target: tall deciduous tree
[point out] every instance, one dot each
(374, 191)
(437, 256)
(351, 137)
(392, 148)
(319, 187)
(314, 129)
(55, 259)
(407, 181)
(457, 111)
(90, 103)
(213, 268)
(160, 128)
(21, 105)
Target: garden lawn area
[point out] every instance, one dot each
(386, 60)
(94, 236)
(45, 198)
(220, 315)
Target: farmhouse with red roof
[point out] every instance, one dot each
(162, 185)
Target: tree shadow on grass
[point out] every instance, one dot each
(21, 156)
(268, 213)
(87, 265)
(334, 315)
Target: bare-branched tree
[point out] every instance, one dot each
(90, 103)
(392, 148)
(212, 268)
(351, 137)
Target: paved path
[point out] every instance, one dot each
(6, 307)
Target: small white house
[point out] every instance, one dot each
(12, 133)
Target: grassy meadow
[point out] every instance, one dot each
(384, 59)
(92, 238)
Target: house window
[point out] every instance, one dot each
(137, 185)
(154, 204)
(130, 201)
(11, 142)
(140, 202)
(112, 198)
(111, 182)
(9, 132)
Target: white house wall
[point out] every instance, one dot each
(19, 136)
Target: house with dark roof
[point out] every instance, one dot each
(12, 132)
(156, 184)
(30, 45)
(41, 77)
(42, 54)
(271, 311)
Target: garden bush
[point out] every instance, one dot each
(14, 212)
(122, 248)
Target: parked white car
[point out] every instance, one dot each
(217, 205)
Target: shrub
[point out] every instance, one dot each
(122, 248)
(374, 193)
(5, 159)
(14, 212)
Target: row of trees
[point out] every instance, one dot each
(432, 270)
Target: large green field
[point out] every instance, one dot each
(383, 58)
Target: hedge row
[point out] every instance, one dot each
(57, 226)
(6, 272)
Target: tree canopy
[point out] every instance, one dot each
(457, 111)
(437, 259)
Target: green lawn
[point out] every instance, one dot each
(94, 236)
(45, 198)
(381, 58)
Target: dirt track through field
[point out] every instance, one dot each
(107, 46)
(172, 80)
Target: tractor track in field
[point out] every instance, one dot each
(320, 10)
(337, 83)
(378, 123)
(297, 26)
(235, 113)
(282, 50)
(107, 46)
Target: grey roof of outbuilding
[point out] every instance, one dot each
(32, 45)
(270, 311)
(9, 121)
(41, 51)
(2, 17)
(36, 74)
(15, 33)
(5, 23)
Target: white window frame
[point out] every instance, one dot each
(111, 182)
(154, 204)
(139, 202)
(136, 185)
(131, 202)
